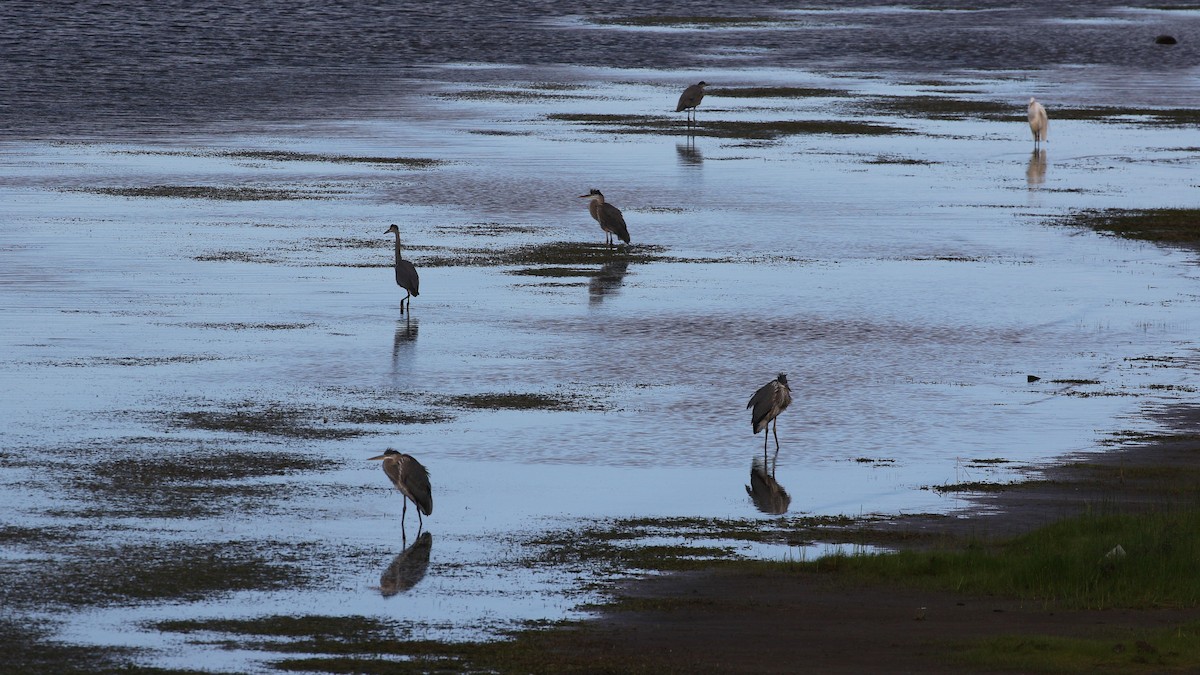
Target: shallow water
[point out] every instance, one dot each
(906, 301)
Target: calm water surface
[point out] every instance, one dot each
(907, 283)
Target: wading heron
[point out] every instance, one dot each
(690, 98)
(406, 273)
(609, 216)
(771, 399)
(412, 480)
(1039, 124)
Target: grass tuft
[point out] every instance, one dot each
(1063, 564)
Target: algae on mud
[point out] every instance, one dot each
(216, 193)
(752, 130)
(1173, 226)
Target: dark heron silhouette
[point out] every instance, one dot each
(766, 493)
(407, 568)
(609, 216)
(412, 480)
(771, 399)
(690, 98)
(406, 273)
(1039, 124)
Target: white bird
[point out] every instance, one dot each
(771, 399)
(1039, 124)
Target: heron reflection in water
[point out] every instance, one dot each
(408, 568)
(406, 334)
(607, 280)
(688, 154)
(766, 493)
(1035, 171)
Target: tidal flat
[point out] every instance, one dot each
(205, 346)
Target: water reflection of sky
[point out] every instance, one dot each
(907, 302)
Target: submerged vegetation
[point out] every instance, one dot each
(1165, 226)
(758, 130)
(698, 21)
(217, 193)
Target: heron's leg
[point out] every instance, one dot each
(765, 442)
(775, 430)
(420, 522)
(403, 516)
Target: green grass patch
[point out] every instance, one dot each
(1175, 649)
(1061, 565)
(1165, 226)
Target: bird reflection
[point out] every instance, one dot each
(766, 493)
(406, 334)
(688, 153)
(1035, 171)
(408, 568)
(607, 280)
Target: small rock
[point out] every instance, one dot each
(1165, 40)
(919, 615)
(1032, 378)
(1115, 553)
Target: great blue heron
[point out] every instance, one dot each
(690, 98)
(406, 273)
(1039, 124)
(609, 216)
(771, 399)
(412, 480)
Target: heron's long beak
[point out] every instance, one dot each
(584, 196)
(379, 457)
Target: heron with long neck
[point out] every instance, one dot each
(609, 216)
(406, 273)
(412, 480)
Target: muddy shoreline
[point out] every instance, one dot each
(726, 621)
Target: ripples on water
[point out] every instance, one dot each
(87, 66)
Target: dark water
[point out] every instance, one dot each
(91, 67)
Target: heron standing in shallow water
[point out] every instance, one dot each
(1039, 124)
(406, 273)
(771, 399)
(609, 216)
(412, 480)
(690, 98)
